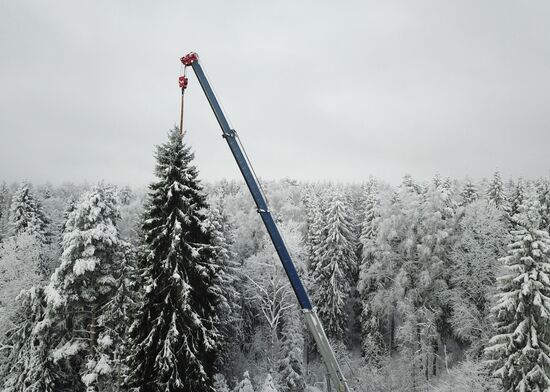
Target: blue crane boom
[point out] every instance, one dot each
(232, 139)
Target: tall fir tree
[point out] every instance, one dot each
(4, 208)
(371, 339)
(175, 338)
(520, 350)
(245, 385)
(516, 197)
(80, 290)
(227, 283)
(27, 214)
(220, 383)
(315, 232)
(335, 269)
(495, 191)
(269, 385)
(291, 367)
(543, 191)
(469, 193)
(30, 367)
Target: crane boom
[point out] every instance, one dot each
(230, 135)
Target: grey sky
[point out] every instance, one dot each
(317, 90)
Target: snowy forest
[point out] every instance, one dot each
(438, 285)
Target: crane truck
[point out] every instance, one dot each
(334, 372)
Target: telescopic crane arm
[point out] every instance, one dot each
(230, 135)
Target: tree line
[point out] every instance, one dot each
(441, 285)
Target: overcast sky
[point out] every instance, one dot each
(317, 90)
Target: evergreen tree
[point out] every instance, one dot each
(371, 339)
(20, 269)
(543, 190)
(220, 384)
(227, 280)
(517, 195)
(291, 368)
(334, 272)
(495, 192)
(30, 367)
(26, 213)
(269, 385)
(520, 351)
(315, 227)
(469, 193)
(115, 317)
(175, 337)
(245, 385)
(81, 288)
(4, 208)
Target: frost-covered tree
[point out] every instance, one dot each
(270, 297)
(520, 351)
(227, 280)
(81, 288)
(495, 191)
(269, 385)
(27, 214)
(469, 193)
(291, 367)
(175, 336)
(369, 226)
(220, 383)
(30, 368)
(395, 242)
(423, 279)
(516, 197)
(315, 226)
(371, 338)
(336, 267)
(543, 191)
(4, 207)
(20, 269)
(116, 315)
(473, 271)
(245, 385)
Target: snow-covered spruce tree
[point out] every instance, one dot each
(469, 193)
(315, 225)
(334, 271)
(520, 351)
(116, 315)
(543, 190)
(26, 213)
(245, 385)
(370, 223)
(80, 289)
(495, 191)
(20, 269)
(30, 368)
(27, 216)
(516, 197)
(226, 281)
(175, 338)
(4, 207)
(220, 383)
(291, 367)
(371, 338)
(269, 385)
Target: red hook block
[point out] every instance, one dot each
(183, 81)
